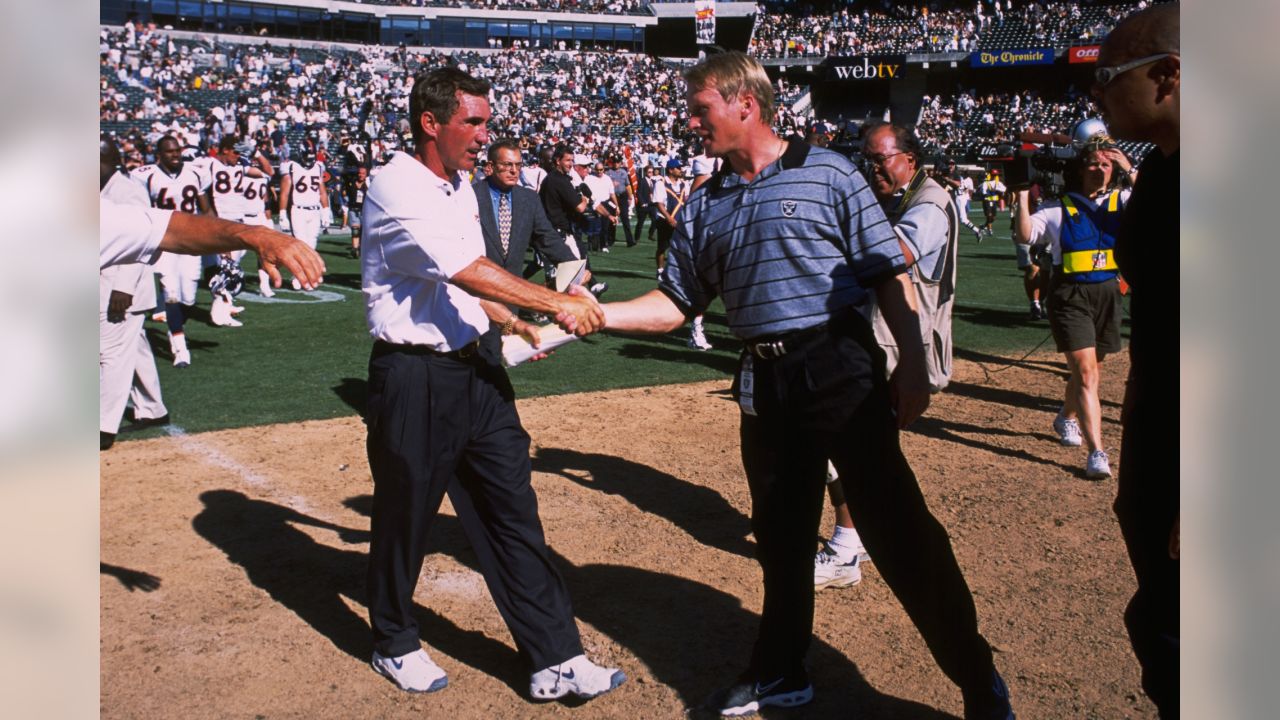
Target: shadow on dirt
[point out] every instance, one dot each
(700, 511)
(692, 637)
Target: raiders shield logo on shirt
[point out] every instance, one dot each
(789, 208)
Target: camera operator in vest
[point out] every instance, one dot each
(1080, 229)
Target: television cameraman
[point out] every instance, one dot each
(1079, 228)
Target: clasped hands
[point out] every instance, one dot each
(580, 313)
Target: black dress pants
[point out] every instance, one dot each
(829, 399)
(440, 424)
(1147, 507)
(643, 213)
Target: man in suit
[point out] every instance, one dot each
(526, 225)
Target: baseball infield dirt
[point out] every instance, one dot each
(257, 539)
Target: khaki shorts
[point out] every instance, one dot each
(1084, 315)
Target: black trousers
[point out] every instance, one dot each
(829, 399)
(439, 424)
(624, 219)
(642, 213)
(1147, 507)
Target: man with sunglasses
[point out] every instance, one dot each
(1137, 86)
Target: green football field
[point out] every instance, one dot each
(302, 356)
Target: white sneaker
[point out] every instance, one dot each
(1068, 431)
(220, 313)
(1098, 466)
(698, 339)
(178, 346)
(577, 675)
(828, 571)
(413, 672)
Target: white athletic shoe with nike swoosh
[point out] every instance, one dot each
(748, 696)
(577, 675)
(414, 672)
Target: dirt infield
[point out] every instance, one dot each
(258, 538)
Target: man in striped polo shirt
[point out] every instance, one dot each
(794, 242)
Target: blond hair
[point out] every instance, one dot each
(734, 73)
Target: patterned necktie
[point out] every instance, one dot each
(504, 222)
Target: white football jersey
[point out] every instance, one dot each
(234, 191)
(179, 191)
(305, 182)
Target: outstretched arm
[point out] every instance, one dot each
(487, 280)
(200, 235)
(653, 313)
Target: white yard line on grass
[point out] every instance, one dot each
(215, 457)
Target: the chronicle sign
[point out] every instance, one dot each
(1009, 58)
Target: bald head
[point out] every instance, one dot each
(1141, 99)
(1152, 31)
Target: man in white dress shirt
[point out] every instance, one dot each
(443, 419)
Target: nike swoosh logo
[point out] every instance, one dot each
(567, 675)
(761, 690)
(398, 663)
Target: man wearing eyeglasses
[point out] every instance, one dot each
(927, 223)
(1137, 87)
(512, 220)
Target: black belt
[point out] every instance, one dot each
(775, 347)
(382, 347)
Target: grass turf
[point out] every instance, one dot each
(303, 356)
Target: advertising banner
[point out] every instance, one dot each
(704, 20)
(1010, 58)
(876, 67)
(1083, 54)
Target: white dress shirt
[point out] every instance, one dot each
(129, 233)
(419, 231)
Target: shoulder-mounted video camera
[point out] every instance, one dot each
(1047, 164)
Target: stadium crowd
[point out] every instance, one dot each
(152, 85)
(957, 125)
(786, 29)
(595, 7)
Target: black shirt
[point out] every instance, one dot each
(355, 194)
(560, 199)
(1147, 253)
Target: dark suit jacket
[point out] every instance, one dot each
(529, 228)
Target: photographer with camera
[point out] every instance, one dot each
(1080, 228)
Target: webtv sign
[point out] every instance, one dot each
(1083, 54)
(886, 67)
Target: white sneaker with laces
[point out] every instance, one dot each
(828, 571)
(1068, 431)
(698, 339)
(178, 346)
(1098, 466)
(577, 675)
(414, 672)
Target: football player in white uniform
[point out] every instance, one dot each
(237, 189)
(173, 184)
(304, 197)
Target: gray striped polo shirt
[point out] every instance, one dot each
(803, 240)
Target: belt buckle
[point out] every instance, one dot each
(770, 350)
(467, 350)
